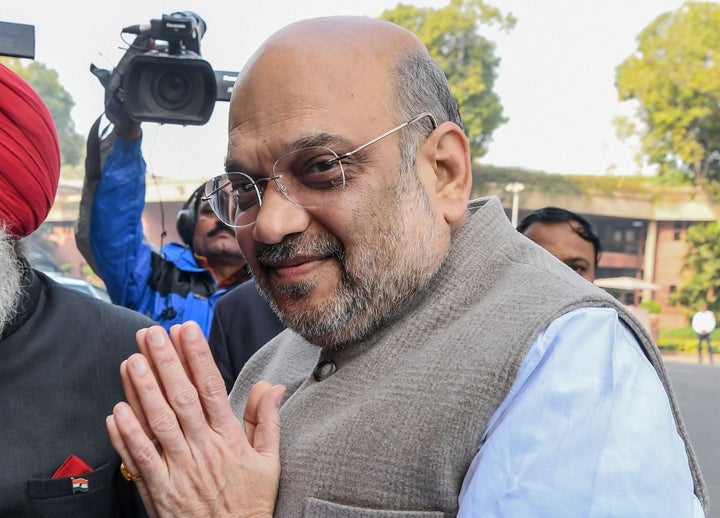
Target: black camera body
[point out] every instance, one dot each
(168, 88)
(169, 83)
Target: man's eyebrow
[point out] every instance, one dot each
(319, 139)
(233, 166)
(577, 259)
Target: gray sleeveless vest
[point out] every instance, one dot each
(391, 423)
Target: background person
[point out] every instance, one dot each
(703, 323)
(183, 281)
(60, 348)
(407, 388)
(234, 340)
(567, 236)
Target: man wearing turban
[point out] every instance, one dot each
(60, 350)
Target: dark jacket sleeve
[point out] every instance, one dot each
(93, 165)
(242, 323)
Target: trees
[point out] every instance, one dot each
(675, 78)
(702, 268)
(60, 103)
(467, 58)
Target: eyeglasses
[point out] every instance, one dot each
(302, 176)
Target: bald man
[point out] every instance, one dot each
(60, 349)
(401, 387)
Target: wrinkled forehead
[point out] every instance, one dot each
(295, 89)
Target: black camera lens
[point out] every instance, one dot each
(173, 89)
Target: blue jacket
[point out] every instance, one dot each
(168, 285)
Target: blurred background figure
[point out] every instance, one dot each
(242, 323)
(567, 236)
(703, 323)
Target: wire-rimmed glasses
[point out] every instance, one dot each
(302, 176)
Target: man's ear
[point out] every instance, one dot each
(448, 151)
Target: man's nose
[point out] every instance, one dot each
(278, 217)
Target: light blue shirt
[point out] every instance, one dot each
(586, 430)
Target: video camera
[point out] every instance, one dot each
(167, 82)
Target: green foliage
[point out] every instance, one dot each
(675, 78)
(653, 306)
(467, 58)
(554, 183)
(568, 184)
(60, 103)
(701, 283)
(89, 275)
(683, 339)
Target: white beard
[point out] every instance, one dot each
(11, 273)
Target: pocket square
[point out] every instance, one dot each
(72, 467)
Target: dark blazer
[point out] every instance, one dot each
(60, 378)
(243, 321)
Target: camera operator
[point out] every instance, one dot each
(181, 281)
(164, 83)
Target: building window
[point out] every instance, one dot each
(622, 236)
(679, 229)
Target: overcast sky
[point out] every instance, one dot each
(556, 79)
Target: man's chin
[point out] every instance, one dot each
(289, 293)
(289, 300)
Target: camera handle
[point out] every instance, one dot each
(125, 125)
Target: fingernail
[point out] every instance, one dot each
(190, 331)
(121, 411)
(138, 364)
(156, 336)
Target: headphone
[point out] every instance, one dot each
(187, 216)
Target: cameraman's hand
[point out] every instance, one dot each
(115, 109)
(126, 127)
(179, 432)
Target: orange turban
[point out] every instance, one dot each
(29, 156)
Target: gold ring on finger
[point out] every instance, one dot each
(129, 476)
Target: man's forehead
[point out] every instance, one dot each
(559, 232)
(300, 80)
(339, 117)
(329, 76)
(318, 59)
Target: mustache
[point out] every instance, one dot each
(299, 245)
(220, 227)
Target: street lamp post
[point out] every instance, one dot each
(515, 188)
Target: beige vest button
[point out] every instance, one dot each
(324, 370)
